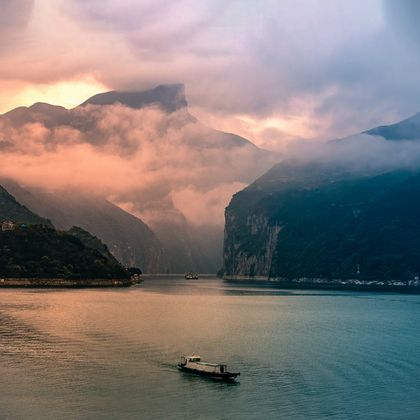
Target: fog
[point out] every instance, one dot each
(145, 160)
(360, 153)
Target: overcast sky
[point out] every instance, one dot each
(272, 70)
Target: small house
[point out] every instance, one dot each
(8, 225)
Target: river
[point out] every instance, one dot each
(112, 353)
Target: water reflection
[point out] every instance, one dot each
(113, 353)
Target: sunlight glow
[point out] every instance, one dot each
(67, 93)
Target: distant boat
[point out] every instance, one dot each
(191, 276)
(136, 279)
(194, 365)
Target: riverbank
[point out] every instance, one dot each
(394, 286)
(64, 283)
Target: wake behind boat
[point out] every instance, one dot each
(194, 365)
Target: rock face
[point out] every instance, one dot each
(323, 220)
(253, 260)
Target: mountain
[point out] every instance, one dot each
(167, 164)
(328, 219)
(92, 242)
(37, 251)
(169, 97)
(408, 129)
(198, 247)
(34, 249)
(127, 237)
(11, 210)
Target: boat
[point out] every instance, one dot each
(136, 279)
(194, 365)
(191, 276)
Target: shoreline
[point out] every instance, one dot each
(8, 282)
(334, 285)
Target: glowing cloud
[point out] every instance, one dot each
(67, 93)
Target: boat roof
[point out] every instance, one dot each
(208, 364)
(195, 356)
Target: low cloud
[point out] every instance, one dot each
(163, 166)
(148, 160)
(361, 153)
(205, 207)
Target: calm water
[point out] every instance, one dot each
(112, 354)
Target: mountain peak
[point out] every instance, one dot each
(169, 97)
(408, 129)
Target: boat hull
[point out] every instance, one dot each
(226, 376)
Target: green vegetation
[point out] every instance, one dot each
(372, 222)
(37, 251)
(330, 227)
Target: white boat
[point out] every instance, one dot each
(191, 276)
(194, 365)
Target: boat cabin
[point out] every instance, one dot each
(194, 362)
(193, 358)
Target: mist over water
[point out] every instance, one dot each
(110, 354)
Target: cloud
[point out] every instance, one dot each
(14, 18)
(338, 67)
(203, 208)
(148, 160)
(361, 154)
(404, 17)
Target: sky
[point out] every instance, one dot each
(274, 71)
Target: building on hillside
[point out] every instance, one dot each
(8, 225)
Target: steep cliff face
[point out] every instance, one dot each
(350, 212)
(249, 245)
(355, 226)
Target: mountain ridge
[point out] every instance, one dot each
(33, 248)
(407, 129)
(329, 220)
(170, 97)
(129, 239)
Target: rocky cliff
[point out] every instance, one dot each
(249, 245)
(328, 220)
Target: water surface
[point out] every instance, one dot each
(112, 354)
